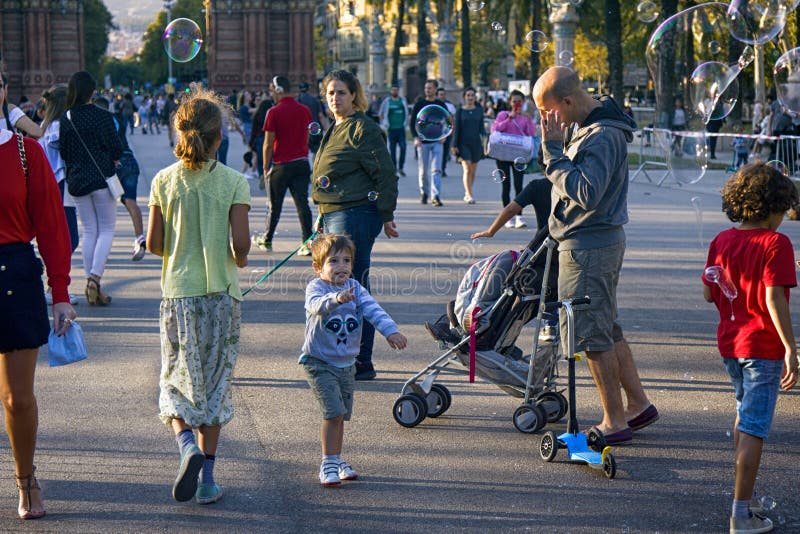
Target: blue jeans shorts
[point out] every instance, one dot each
(755, 385)
(332, 387)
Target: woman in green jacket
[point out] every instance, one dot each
(355, 185)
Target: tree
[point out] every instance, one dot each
(97, 22)
(423, 39)
(466, 44)
(613, 25)
(398, 41)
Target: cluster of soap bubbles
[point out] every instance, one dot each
(182, 40)
(434, 123)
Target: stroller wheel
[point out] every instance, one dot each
(409, 410)
(438, 400)
(548, 447)
(529, 418)
(551, 404)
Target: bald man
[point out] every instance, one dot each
(586, 159)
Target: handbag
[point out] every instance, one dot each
(112, 182)
(66, 349)
(509, 147)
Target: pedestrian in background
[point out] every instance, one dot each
(199, 225)
(394, 119)
(468, 133)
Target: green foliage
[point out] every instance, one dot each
(97, 22)
(126, 72)
(486, 45)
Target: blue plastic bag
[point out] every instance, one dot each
(68, 348)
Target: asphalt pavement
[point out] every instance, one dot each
(106, 463)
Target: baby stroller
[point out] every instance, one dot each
(497, 297)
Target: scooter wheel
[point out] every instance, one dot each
(529, 418)
(409, 410)
(438, 400)
(595, 440)
(609, 466)
(548, 447)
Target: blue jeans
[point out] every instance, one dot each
(430, 161)
(755, 385)
(258, 148)
(363, 224)
(222, 151)
(397, 139)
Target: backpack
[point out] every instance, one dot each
(482, 285)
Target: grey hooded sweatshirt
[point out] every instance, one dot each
(589, 172)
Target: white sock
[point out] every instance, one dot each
(331, 458)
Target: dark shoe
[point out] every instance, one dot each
(436, 202)
(647, 417)
(423, 198)
(185, 485)
(365, 371)
(444, 174)
(402, 172)
(618, 438)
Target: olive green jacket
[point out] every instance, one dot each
(359, 170)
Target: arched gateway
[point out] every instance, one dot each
(250, 41)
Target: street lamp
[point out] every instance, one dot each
(168, 7)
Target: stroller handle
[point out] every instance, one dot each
(575, 302)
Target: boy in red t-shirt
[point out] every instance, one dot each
(754, 335)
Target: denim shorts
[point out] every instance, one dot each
(755, 385)
(128, 174)
(593, 272)
(332, 387)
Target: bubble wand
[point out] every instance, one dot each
(716, 274)
(317, 226)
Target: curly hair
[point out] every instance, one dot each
(198, 121)
(757, 191)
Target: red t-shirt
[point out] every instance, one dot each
(289, 121)
(755, 260)
(35, 210)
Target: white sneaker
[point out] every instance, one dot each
(139, 248)
(509, 223)
(329, 474)
(519, 222)
(754, 524)
(346, 471)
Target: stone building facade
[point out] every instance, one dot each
(41, 42)
(251, 41)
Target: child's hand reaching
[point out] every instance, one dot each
(346, 295)
(789, 375)
(397, 341)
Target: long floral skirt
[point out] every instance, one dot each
(199, 347)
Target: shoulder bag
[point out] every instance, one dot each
(112, 182)
(509, 147)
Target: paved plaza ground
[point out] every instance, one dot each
(106, 462)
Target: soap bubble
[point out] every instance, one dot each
(697, 202)
(475, 5)
(576, 3)
(182, 40)
(497, 26)
(498, 176)
(536, 41)
(647, 11)
(324, 182)
(717, 274)
(779, 166)
(714, 47)
(687, 34)
(565, 58)
(314, 128)
(520, 164)
(787, 79)
(688, 162)
(714, 90)
(767, 503)
(372, 196)
(757, 21)
(434, 123)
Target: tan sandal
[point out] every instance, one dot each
(94, 295)
(26, 485)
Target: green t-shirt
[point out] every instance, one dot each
(397, 115)
(195, 205)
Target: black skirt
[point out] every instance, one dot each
(24, 321)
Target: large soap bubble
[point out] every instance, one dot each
(434, 123)
(758, 21)
(688, 160)
(714, 86)
(182, 40)
(787, 80)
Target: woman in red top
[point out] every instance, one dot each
(30, 206)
